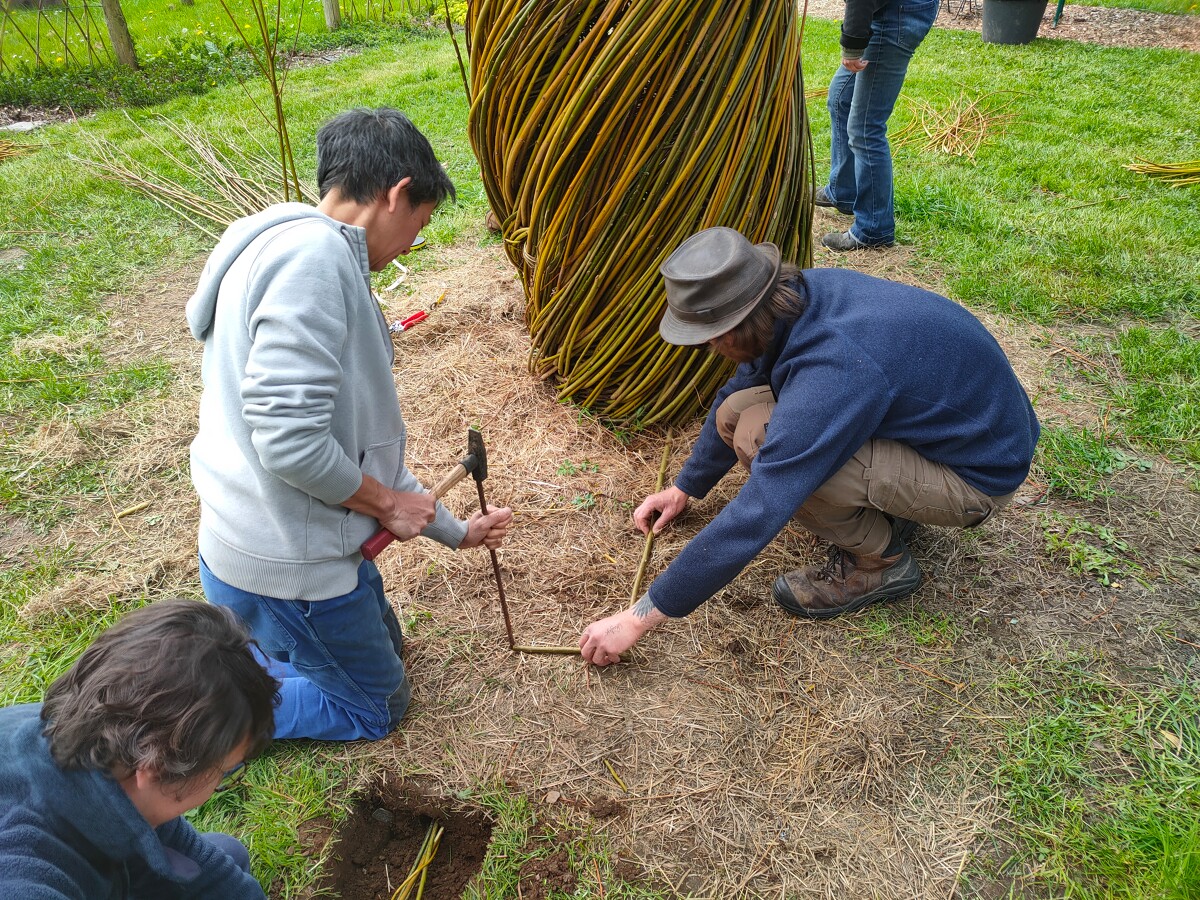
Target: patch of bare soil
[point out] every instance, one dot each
(1088, 24)
(377, 846)
(758, 755)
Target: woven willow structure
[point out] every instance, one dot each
(608, 131)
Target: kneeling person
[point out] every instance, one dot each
(860, 406)
(146, 725)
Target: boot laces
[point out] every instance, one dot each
(837, 565)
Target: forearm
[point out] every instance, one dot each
(372, 499)
(647, 614)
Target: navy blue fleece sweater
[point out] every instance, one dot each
(866, 359)
(77, 835)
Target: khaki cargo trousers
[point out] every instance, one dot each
(884, 476)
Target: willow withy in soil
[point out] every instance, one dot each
(608, 132)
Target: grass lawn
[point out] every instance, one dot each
(1044, 227)
(158, 28)
(1173, 7)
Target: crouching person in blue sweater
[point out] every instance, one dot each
(155, 716)
(861, 407)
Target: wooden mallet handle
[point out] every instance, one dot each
(375, 544)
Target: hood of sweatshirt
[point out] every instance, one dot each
(203, 305)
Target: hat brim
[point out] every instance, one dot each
(674, 330)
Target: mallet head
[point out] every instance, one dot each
(475, 448)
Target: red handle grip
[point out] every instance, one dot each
(374, 545)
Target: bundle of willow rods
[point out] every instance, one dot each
(609, 131)
(1179, 174)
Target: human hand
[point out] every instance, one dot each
(667, 503)
(855, 65)
(489, 530)
(408, 514)
(603, 642)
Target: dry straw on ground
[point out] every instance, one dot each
(1179, 174)
(760, 756)
(11, 149)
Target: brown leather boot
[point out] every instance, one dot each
(847, 583)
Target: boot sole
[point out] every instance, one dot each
(898, 589)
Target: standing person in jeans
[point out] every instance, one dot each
(159, 713)
(860, 406)
(878, 40)
(299, 457)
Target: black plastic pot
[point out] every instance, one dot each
(1012, 21)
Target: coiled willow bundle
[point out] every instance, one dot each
(608, 131)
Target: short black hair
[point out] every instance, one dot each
(364, 152)
(172, 688)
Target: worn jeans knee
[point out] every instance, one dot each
(345, 678)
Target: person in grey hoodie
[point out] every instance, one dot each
(299, 456)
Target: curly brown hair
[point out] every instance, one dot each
(751, 337)
(172, 688)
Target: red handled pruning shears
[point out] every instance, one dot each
(409, 322)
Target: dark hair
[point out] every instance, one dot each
(172, 688)
(364, 152)
(753, 335)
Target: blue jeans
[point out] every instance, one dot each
(860, 104)
(337, 660)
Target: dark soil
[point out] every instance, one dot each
(376, 846)
(550, 874)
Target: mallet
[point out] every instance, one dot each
(374, 545)
(474, 464)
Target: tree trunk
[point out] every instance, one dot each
(333, 14)
(118, 33)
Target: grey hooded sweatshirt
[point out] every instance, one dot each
(298, 404)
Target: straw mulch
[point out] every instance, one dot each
(761, 756)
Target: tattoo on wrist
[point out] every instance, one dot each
(643, 607)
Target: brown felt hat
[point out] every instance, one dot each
(714, 280)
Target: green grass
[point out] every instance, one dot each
(1104, 787)
(159, 28)
(289, 785)
(1077, 462)
(521, 834)
(1046, 223)
(1159, 401)
(1174, 7)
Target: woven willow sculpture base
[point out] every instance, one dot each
(607, 133)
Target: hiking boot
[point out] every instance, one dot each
(843, 241)
(848, 583)
(822, 198)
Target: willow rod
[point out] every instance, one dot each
(649, 544)
(548, 650)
